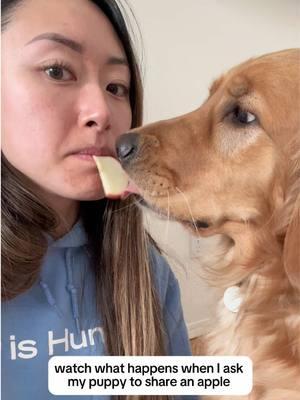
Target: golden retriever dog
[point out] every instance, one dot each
(232, 167)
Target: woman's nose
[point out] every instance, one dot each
(94, 109)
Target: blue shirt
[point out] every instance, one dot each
(57, 317)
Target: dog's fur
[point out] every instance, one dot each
(243, 181)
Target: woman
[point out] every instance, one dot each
(79, 274)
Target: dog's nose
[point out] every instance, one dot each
(127, 147)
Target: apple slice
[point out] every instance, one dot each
(114, 179)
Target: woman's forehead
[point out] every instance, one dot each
(79, 21)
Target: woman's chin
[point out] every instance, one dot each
(91, 197)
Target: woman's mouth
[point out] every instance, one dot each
(87, 153)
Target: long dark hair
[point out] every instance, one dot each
(118, 243)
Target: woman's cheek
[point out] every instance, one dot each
(31, 124)
(123, 119)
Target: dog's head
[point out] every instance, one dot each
(232, 165)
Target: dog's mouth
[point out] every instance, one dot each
(163, 214)
(160, 212)
(147, 198)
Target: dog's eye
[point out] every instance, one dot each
(242, 116)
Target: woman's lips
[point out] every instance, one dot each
(88, 153)
(88, 157)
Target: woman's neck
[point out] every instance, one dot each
(68, 216)
(67, 211)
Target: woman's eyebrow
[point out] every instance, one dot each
(117, 61)
(57, 37)
(72, 44)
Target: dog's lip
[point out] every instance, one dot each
(160, 212)
(197, 225)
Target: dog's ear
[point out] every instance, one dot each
(291, 252)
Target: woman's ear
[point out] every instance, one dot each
(291, 251)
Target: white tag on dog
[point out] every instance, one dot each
(232, 298)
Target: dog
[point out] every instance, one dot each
(232, 167)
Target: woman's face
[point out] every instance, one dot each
(65, 95)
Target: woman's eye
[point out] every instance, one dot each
(243, 116)
(59, 73)
(118, 89)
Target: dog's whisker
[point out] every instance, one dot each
(189, 208)
(135, 203)
(168, 220)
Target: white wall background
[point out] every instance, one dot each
(186, 45)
